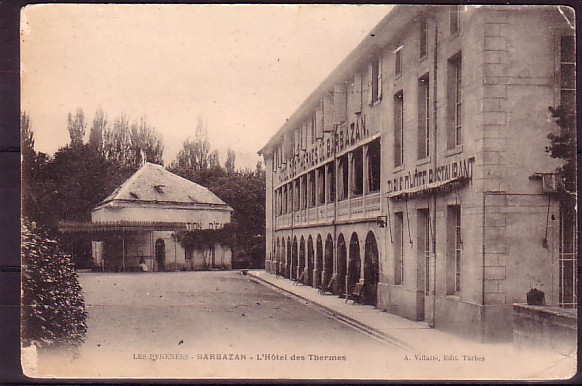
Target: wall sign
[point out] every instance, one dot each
(462, 168)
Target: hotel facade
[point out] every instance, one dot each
(419, 169)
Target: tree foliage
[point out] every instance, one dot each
(195, 153)
(76, 127)
(53, 308)
(130, 144)
(563, 144)
(243, 190)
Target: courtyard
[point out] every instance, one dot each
(207, 324)
(223, 324)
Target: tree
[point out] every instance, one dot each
(53, 308)
(563, 145)
(131, 145)
(98, 129)
(77, 127)
(213, 161)
(145, 144)
(27, 140)
(195, 153)
(230, 161)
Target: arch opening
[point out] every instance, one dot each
(371, 270)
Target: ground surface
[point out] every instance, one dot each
(134, 317)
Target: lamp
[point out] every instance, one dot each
(381, 221)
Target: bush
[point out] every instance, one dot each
(53, 308)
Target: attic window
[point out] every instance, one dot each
(192, 198)
(133, 195)
(159, 188)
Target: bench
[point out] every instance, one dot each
(356, 295)
(299, 280)
(323, 289)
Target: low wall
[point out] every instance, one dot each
(548, 327)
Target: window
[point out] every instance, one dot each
(454, 249)
(454, 102)
(356, 94)
(343, 177)
(568, 72)
(455, 20)
(304, 191)
(399, 249)
(423, 27)
(398, 62)
(312, 192)
(296, 196)
(399, 129)
(424, 245)
(321, 185)
(423, 117)
(285, 199)
(374, 154)
(357, 172)
(331, 182)
(376, 80)
(568, 258)
(312, 127)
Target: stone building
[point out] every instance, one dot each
(139, 222)
(418, 168)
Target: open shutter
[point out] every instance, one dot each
(380, 69)
(328, 111)
(339, 104)
(369, 93)
(357, 94)
(287, 146)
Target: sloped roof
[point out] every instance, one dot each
(153, 183)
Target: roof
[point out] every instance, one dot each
(153, 184)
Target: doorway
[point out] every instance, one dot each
(160, 255)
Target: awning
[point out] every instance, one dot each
(118, 226)
(444, 186)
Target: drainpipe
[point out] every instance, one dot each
(483, 251)
(434, 162)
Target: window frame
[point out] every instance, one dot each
(398, 62)
(423, 36)
(424, 119)
(455, 20)
(399, 129)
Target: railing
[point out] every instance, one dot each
(372, 202)
(342, 208)
(356, 205)
(312, 215)
(354, 208)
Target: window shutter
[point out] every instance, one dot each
(328, 111)
(339, 104)
(380, 77)
(357, 93)
(369, 93)
(287, 146)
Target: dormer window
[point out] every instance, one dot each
(159, 188)
(134, 195)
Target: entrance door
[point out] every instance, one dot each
(354, 264)
(423, 250)
(160, 255)
(371, 270)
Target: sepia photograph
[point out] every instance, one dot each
(298, 192)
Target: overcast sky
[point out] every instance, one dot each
(244, 68)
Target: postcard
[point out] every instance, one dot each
(298, 192)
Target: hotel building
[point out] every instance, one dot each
(418, 168)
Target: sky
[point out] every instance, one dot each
(243, 68)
